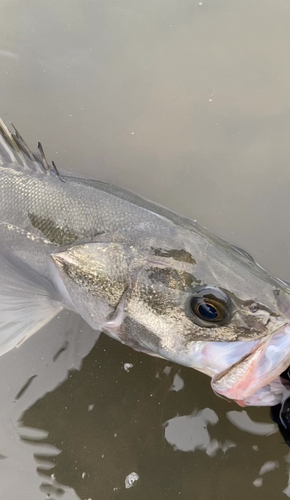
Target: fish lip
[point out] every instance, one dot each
(235, 392)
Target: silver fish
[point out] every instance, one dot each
(152, 279)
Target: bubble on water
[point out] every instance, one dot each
(127, 366)
(167, 370)
(131, 479)
(178, 383)
(269, 466)
(258, 482)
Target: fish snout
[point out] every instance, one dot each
(257, 369)
(258, 322)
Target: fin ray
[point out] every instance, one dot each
(14, 150)
(27, 301)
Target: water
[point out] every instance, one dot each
(186, 103)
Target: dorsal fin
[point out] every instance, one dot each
(13, 149)
(21, 143)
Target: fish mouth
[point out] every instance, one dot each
(257, 369)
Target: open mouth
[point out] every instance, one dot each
(254, 379)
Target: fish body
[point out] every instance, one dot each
(152, 279)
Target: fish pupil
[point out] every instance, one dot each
(210, 305)
(208, 312)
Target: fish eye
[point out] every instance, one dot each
(210, 305)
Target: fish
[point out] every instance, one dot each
(149, 278)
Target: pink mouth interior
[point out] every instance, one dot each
(254, 380)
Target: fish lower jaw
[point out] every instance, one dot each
(256, 370)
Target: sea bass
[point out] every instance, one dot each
(154, 280)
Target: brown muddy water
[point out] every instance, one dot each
(186, 103)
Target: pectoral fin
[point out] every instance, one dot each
(27, 301)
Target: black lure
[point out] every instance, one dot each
(280, 413)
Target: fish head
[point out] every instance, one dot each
(197, 290)
(192, 299)
(210, 306)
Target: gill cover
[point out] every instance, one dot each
(94, 276)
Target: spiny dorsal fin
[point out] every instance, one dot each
(21, 143)
(43, 158)
(14, 149)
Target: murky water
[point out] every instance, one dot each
(186, 103)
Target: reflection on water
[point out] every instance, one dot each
(104, 422)
(27, 374)
(186, 103)
(189, 433)
(242, 421)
